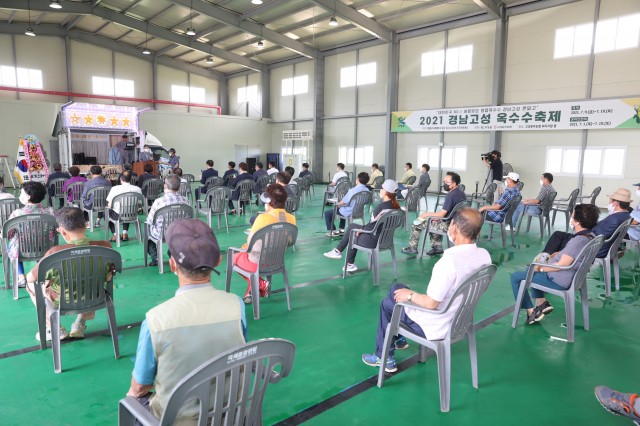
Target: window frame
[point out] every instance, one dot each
(600, 174)
(435, 165)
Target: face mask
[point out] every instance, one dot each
(638, 192)
(571, 224)
(610, 208)
(24, 198)
(446, 187)
(449, 235)
(541, 183)
(147, 150)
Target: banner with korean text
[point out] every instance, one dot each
(579, 115)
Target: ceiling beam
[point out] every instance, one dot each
(356, 18)
(75, 21)
(235, 20)
(491, 7)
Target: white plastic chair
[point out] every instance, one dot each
(612, 257)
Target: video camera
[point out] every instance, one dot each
(487, 156)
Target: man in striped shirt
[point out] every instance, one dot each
(497, 211)
(532, 204)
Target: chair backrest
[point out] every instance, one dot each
(217, 199)
(359, 201)
(489, 194)
(511, 208)
(134, 180)
(246, 189)
(297, 188)
(98, 197)
(462, 187)
(7, 207)
(213, 182)
(377, 182)
(548, 202)
(571, 201)
(128, 204)
(189, 177)
(75, 191)
(469, 292)
(304, 184)
(595, 194)
(152, 188)
(311, 178)
(342, 188)
(230, 180)
(385, 227)
(616, 239)
(412, 200)
(229, 389)
(520, 185)
(272, 177)
(343, 179)
(273, 240)
(165, 216)
(292, 204)
(57, 185)
(411, 180)
(455, 209)
(584, 260)
(185, 189)
(83, 272)
(34, 232)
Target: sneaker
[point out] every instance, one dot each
(153, 263)
(435, 251)
(22, 282)
(374, 361)
(618, 402)
(87, 225)
(351, 267)
(333, 254)
(63, 334)
(534, 317)
(265, 288)
(77, 330)
(401, 343)
(409, 250)
(507, 227)
(336, 233)
(545, 307)
(541, 258)
(341, 232)
(97, 224)
(124, 237)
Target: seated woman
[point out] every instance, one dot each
(74, 171)
(389, 202)
(31, 195)
(585, 217)
(274, 198)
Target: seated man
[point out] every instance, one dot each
(340, 173)
(345, 206)
(284, 179)
(618, 206)
(457, 264)
(72, 228)
(178, 171)
(496, 212)
(424, 182)
(634, 229)
(192, 327)
(305, 170)
(259, 173)
(271, 168)
(531, 204)
(375, 173)
(114, 210)
(127, 166)
(206, 174)
(171, 196)
(235, 196)
(87, 200)
(454, 196)
(231, 171)
(408, 174)
(291, 172)
(145, 154)
(57, 173)
(148, 174)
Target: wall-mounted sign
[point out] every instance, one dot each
(579, 115)
(101, 117)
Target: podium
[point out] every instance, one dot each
(138, 167)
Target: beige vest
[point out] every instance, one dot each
(186, 331)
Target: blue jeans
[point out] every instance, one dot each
(386, 310)
(538, 278)
(328, 218)
(518, 211)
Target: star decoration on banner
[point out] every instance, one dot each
(88, 120)
(114, 121)
(126, 122)
(75, 119)
(101, 119)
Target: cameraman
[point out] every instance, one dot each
(493, 161)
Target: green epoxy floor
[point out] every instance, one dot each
(525, 376)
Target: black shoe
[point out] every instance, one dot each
(409, 250)
(153, 263)
(545, 308)
(534, 317)
(435, 251)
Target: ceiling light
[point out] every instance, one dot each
(55, 4)
(256, 1)
(366, 13)
(191, 32)
(29, 32)
(260, 45)
(210, 60)
(333, 21)
(146, 51)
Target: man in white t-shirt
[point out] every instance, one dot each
(114, 210)
(271, 168)
(340, 173)
(457, 264)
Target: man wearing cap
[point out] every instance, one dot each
(618, 208)
(192, 327)
(634, 229)
(171, 196)
(531, 204)
(496, 212)
(454, 196)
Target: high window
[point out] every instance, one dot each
(360, 156)
(187, 94)
(110, 87)
(458, 59)
(295, 85)
(248, 94)
(597, 161)
(454, 158)
(358, 75)
(20, 77)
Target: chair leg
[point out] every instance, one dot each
(516, 309)
(113, 328)
(554, 216)
(616, 271)
(385, 354)
(473, 355)
(375, 265)
(227, 286)
(584, 298)
(503, 232)
(54, 320)
(528, 223)
(255, 294)
(160, 257)
(606, 266)
(286, 287)
(490, 231)
(570, 309)
(14, 282)
(443, 353)
(393, 261)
